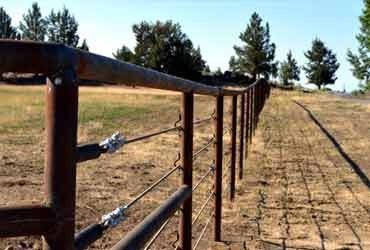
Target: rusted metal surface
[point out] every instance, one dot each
(60, 160)
(139, 236)
(34, 57)
(187, 113)
(253, 113)
(241, 136)
(247, 114)
(250, 115)
(50, 58)
(255, 109)
(219, 116)
(56, 219)
(26, 220)
(234, 114)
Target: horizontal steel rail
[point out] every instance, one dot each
(49, 58)
(139, 236)
(55, 220)
(26, 220)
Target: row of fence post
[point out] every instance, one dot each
(251, 104)
(61, 112)
(54, 219)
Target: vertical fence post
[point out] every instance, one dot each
(187, 111)
(233, 146)
(259, 100)
(60, 157)
(254, 109)
(250, 118)
(218, 166)
(246, 123)
(241, 136)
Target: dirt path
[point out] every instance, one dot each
(299, 192)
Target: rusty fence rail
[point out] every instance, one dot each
(54, 219)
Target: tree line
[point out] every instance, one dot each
(58, 27)
(163, 46)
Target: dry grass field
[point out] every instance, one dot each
(301, 190)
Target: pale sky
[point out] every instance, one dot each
(215, 25)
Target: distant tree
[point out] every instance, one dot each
(164, 47)
(84, 45)
(7, 31)
(33, 26)
(257, 53)
(275, 69)
(62, 28)
(234, 65)
(218, 72)
(322, 65)
(206, 69)
(361, 61)
(125, 54)
(289, 70)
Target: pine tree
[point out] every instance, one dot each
(84, 45)
(33, 26)
(322, 64)
(361, 61)
(257, 53)
(62, 28)
(7, 31)
(289, 70)
(124, 54)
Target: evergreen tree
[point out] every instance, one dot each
(7, 31)
(322, 64)
(164, 47)
(33, 26)
(218, 72)
(84, 45)
(361, 61)
(257, 53)
(289, 70)
(206, 70)
(124, 54)
(62, 28)
(234, 65)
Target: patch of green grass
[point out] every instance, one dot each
(109, 115)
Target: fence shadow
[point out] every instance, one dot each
(348, 159)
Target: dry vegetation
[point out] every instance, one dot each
(298, 191)
(112, 180)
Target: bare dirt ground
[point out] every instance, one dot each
(301, 189)
(112, 180)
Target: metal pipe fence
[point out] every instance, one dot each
(54, 219)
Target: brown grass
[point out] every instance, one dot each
(298, 191)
